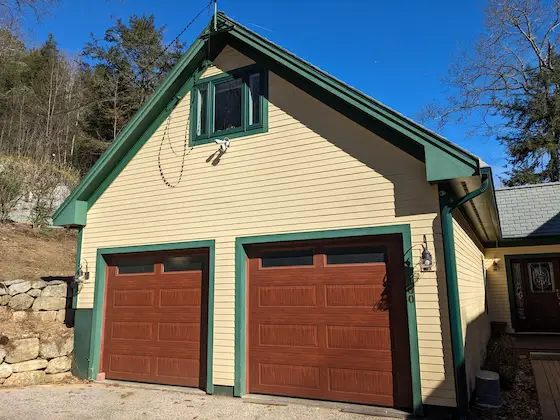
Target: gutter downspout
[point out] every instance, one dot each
(447, 205)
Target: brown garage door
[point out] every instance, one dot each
(327, 320)
(156, 318)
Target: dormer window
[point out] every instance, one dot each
(230, 105)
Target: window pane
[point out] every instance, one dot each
(183, 263)
(287, 258)
(254, 99)
(541, 277)
(201, 101)
(135, 267)
(227, 105)
(355, 255)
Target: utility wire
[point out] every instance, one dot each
(207, 7)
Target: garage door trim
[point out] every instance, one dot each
(241, 295)
(99, 298)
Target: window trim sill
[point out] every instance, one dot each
(231, 136)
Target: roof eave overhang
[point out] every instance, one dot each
(481, 211)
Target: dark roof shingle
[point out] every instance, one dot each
(529, 210)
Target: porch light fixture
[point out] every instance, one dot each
(426, 260)
(495, 265)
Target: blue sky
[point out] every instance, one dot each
(395, 51)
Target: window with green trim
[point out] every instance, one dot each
(230, 105)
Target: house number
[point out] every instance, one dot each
(410, 298)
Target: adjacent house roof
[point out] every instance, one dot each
(529, 210)
(444, 160)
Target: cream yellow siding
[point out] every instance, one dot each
(313, 170)
(472, 297)
(498, 295)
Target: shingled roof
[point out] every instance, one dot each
(529, 210)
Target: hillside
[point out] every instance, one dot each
(31, 254)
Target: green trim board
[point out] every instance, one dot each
(447, 204)
(82, 341)
(444, 160)
(241, 298)
(76, 285)
(246, 128)
(509, 278)
(99, 299)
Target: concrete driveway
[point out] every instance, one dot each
(116, 402)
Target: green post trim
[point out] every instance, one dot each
(75, 285)
(447, 205)
(241, 296)
(515, 322)
(99, 299)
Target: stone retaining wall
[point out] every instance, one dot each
(36, 360)
(35, 300)
(35, 344)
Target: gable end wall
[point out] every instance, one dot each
(313, 170)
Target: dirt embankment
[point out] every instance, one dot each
(31, 254)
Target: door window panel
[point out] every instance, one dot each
(355, 255)
(295, 257)
(541, 277)
(183, 263)
(135, 267)
(518, 288)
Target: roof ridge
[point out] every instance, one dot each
(516, 187)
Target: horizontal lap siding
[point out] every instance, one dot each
(313, 170)
(472, 295)
(498, 295)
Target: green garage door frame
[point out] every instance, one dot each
(241, 296)
(99, 299)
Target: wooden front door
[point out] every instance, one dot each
(327, 320)
(156, 318)
(536, 286)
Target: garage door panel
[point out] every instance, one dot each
(326, 317)
(155, 324)
(331, 331)
(299, 356)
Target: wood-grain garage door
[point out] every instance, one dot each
(327, 320)
(155, 318)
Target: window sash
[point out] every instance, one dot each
(208, 87)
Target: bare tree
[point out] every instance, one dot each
(12, 11)
(511, 68)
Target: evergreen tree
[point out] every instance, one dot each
(124, 68)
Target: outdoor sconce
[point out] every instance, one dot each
(426, 260)
(82, 274)
(495, 265)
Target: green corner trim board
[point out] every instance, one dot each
(241, 296)
(96, 322)
(448, 203)
(444, 160)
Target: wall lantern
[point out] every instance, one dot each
(495, 265)
(426, 260)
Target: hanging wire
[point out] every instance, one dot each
(207, 7)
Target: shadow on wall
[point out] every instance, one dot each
(413, 195)
(550, 227)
